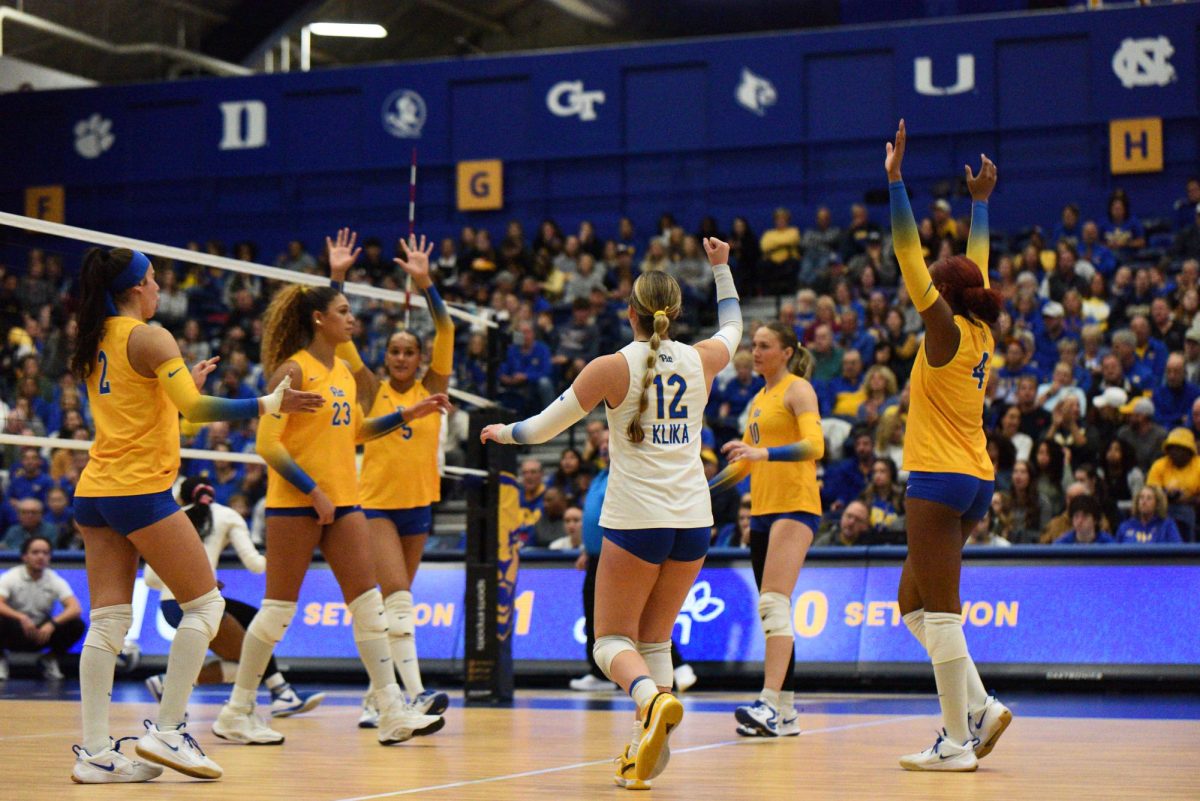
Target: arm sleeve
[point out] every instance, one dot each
(442, 362)
(811, 444)
(174, 377)
(374, 427)
(348, 352)
(979, 244)
(907, 245)
(269, 446)
(729, 310)
(732, 474)
(239, 537)
(552, 421)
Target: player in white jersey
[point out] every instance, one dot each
(657, 515)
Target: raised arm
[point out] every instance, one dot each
(979, 245)
(941, 333)
(153, 351)
(716, 352)
(416, 264)
(342, 255)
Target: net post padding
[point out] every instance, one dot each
(493, 516)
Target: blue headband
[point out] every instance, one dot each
(130, 277)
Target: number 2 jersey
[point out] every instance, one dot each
(945, 416)
(136, 451)
(321, 443)
(659, 482)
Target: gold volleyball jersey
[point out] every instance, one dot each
(777, 487)
(400, 470)
(945, 417)
(137, 426)
(322, 443)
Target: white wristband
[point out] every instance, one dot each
(274, 402)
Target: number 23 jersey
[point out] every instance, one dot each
(945, 417)
(659, 482)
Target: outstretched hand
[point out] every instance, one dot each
(342, 253)
(430, 405)
(201, 370)
(416, 260)
(981, 185)
(895, 154)
(491, 433)
(718, 251)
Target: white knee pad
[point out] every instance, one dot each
(400, 620)
(944, 638)
(607, 648)
(204, 614)
(775, 612)
(915, 620)
(658, 659)
(271, 621)
(370, 622)
(109, 625)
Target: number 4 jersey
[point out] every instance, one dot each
(137, 427)
(945, 417)
(659, 482)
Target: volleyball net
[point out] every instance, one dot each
(488, 480)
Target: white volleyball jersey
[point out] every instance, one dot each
(659, 482)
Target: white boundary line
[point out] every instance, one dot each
(577, 765)
(224, 263)
(186, 453)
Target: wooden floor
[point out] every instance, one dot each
(538, 751)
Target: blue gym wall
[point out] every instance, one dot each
(668, 136)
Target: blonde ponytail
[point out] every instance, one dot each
(656, 300)
(801, 362)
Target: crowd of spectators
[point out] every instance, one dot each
(1092, 403)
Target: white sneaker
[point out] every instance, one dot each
(50, 669)
(685, 678)
(111, 766)
(431, 702)
(369, 719)
(243, 726)
(987, 726)
(178, 750)
(587, 683)
(155, 685)
(944, 755)
(760, 716)
(789, 723)
(286, 701)
(398, 721)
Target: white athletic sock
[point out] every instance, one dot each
(787, 700)
(643, 691)
(255, 656)
(947, 647)
(378, 661)
(402, 641)
(228, 671)
(184, 661)
(770, 696)
(275, 680)
(96, 666)
(977, 694)
(915, 620)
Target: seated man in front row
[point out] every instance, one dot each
(28, 593)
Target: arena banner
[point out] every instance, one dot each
(718, 127)
(1061, 614)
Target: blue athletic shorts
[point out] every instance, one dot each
(764, 522)
(125, 513)
(657, 545)
(417, 520)
(172, 612)
(307, 511)
(967, 495)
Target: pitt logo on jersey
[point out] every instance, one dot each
(337, 393)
